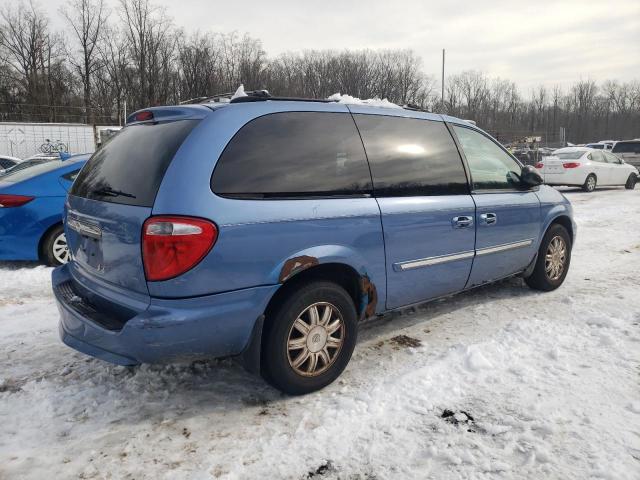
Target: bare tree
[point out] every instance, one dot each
(87, 19)
(23, 35)
(151, 43)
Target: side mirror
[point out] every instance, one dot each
(530, 176)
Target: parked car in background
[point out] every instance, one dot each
(596, 146)
(6, 162)
(629, 151)
(31, 207)
(608, 144)
(268, 228)
(30, 162)
(587, 168)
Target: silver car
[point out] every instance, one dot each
(629, 151)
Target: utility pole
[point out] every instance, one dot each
(442, 94)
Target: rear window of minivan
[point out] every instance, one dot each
(129, 168)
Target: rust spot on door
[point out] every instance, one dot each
(371, 293)
(295, 265)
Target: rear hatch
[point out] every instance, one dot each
(114, 194)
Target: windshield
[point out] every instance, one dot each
(568, 155)
(29, 169)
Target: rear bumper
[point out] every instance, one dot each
(167, 330)
(568, 178)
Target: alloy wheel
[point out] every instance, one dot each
(315, 339)
(555, 258)
(60, 249)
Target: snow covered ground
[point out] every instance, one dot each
(502, 382)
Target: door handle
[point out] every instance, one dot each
(463, 221)
(489, 218)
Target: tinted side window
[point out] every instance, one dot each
(294, 154)
(626, 147)
(129, 168)
(491, 167)
(411, 157)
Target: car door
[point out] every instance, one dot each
(507, 214)
(618, 171)
(601, 168)
(426, 210)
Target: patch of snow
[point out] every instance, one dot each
(239, 92)
(372, 102)
(475, 360)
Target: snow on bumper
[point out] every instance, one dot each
(211, 326)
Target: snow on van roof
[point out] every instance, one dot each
(372, 102)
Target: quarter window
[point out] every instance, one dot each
(411, 157)
(491, 167)
(71, 176)
(294, 154)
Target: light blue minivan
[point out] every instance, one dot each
(269, 227)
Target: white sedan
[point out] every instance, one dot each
(587, 168)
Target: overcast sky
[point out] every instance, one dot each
(531, 42)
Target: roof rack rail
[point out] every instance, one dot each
(415, 108)
(258, 98)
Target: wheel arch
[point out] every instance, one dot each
(362, 291)
(561, 213)
(307, 269)
(44, 236)
(566, 222)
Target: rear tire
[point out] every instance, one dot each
(554, 258)
(631, 182)
(54, 247)
(590, 183)
(317, 320)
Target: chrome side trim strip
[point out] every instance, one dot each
(504, 247)
(430, 261)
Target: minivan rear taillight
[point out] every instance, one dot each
(539, 165)
(8, 201)
(173, 245)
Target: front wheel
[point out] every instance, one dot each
(55, 251)
(554, 257)
(309, 338)
(631, 182)
(590, 183)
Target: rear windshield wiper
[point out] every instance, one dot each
(110, 192)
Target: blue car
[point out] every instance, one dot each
(31, 207)
(269, 228)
